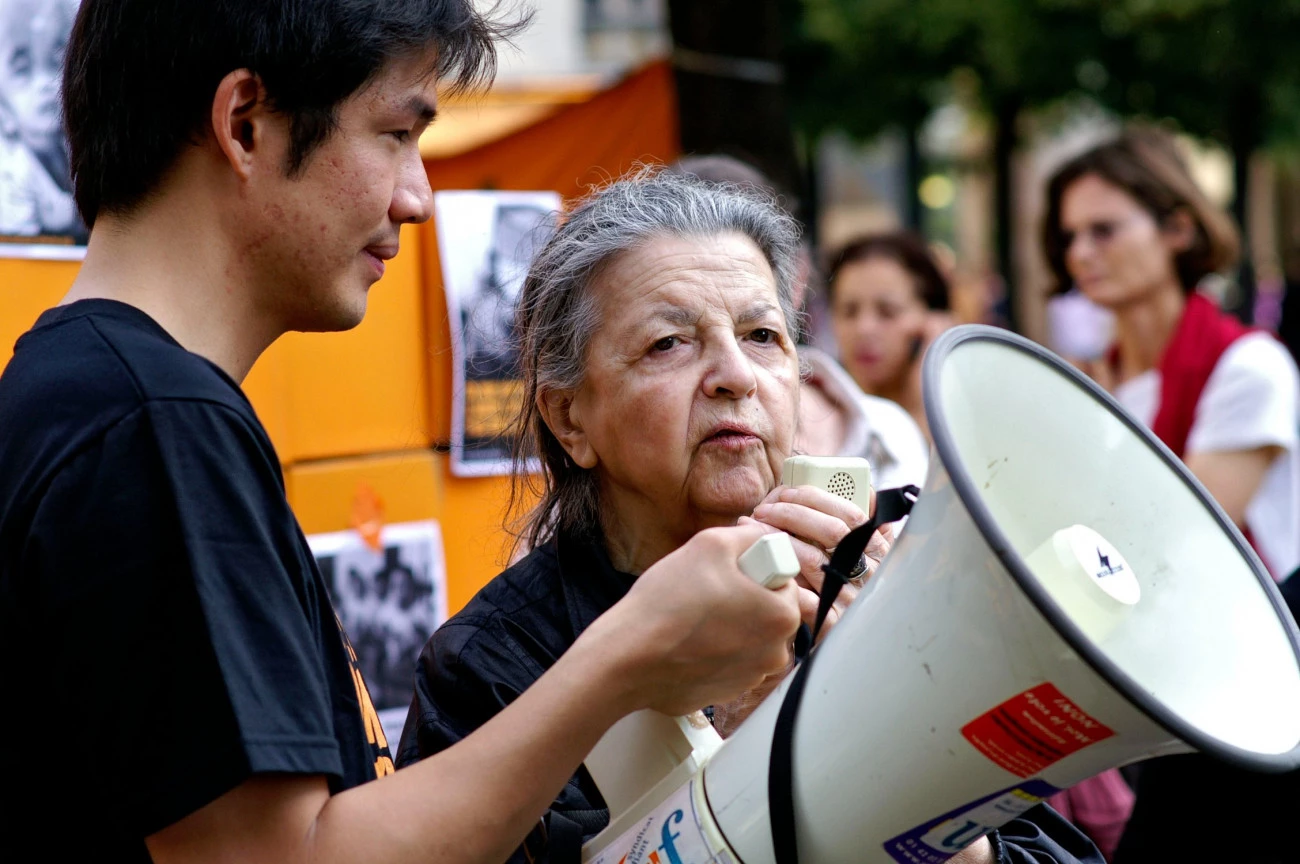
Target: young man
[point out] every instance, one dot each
(245, 167)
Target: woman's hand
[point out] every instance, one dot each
(728, 716)
(817, 522)
(932, 327)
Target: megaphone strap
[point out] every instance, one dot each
(891, 505)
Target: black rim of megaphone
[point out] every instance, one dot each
(1001, 546)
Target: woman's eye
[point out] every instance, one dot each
(402, 135)
(763, 335)
(666, 344)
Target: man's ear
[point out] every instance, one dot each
(1179, 230)
(240, 118)
(559, 410)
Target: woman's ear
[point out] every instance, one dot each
(564, 419)
(1179, 231)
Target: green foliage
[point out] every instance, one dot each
(1219, 68)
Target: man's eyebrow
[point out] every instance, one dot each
(423, 111)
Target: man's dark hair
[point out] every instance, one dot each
(140, 75)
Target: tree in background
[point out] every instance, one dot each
(1223, 70)
(1220, 69)
(863, 66)
(731, 83)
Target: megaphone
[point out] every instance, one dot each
(1064, 598)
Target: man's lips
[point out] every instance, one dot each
(379, 254)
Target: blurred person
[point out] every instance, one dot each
(34, 198)
(661, 389)
(1078, 329)
(836, 418)
(1127, 225)
(889, 301)
(246, 168)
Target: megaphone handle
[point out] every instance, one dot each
(891, 505)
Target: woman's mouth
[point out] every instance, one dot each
(731, 438)
(866, 358)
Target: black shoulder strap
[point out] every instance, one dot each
(891, 505)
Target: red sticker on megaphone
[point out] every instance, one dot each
(1034, 729)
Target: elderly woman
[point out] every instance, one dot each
(661, 391)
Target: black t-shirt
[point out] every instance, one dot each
(164, 629)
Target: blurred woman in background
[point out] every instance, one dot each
(1128, 226)
(888, 301)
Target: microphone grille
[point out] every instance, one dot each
(841, 484)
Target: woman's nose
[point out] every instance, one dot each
(1080, 247)
(866, 326)
(730, 373)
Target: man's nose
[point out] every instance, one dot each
(413, 196)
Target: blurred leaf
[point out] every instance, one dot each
(1219, 68)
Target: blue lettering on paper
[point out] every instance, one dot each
(939, 839)
(669, 848)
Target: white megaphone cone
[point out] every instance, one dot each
(1065, 598)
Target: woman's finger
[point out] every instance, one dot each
(821, 501)
(822, 529)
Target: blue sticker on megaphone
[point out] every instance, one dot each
(939, 839)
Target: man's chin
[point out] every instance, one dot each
(331, 319)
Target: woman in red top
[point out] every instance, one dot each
(1128, 226)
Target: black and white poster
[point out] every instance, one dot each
(38, 218)
(486, 241)
(390, 602)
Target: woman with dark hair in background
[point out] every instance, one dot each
(1128, 226)
(888, 301)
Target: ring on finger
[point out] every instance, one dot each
(858, 575)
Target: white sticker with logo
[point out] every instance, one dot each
(1105, 565)
(675, 833)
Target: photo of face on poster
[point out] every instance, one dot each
(486, 241)
(389, 600)
(38, 217)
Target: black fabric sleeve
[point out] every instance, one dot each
(468, 672)
(1043, 836)
(180, 616)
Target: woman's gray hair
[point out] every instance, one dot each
(557, 313)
